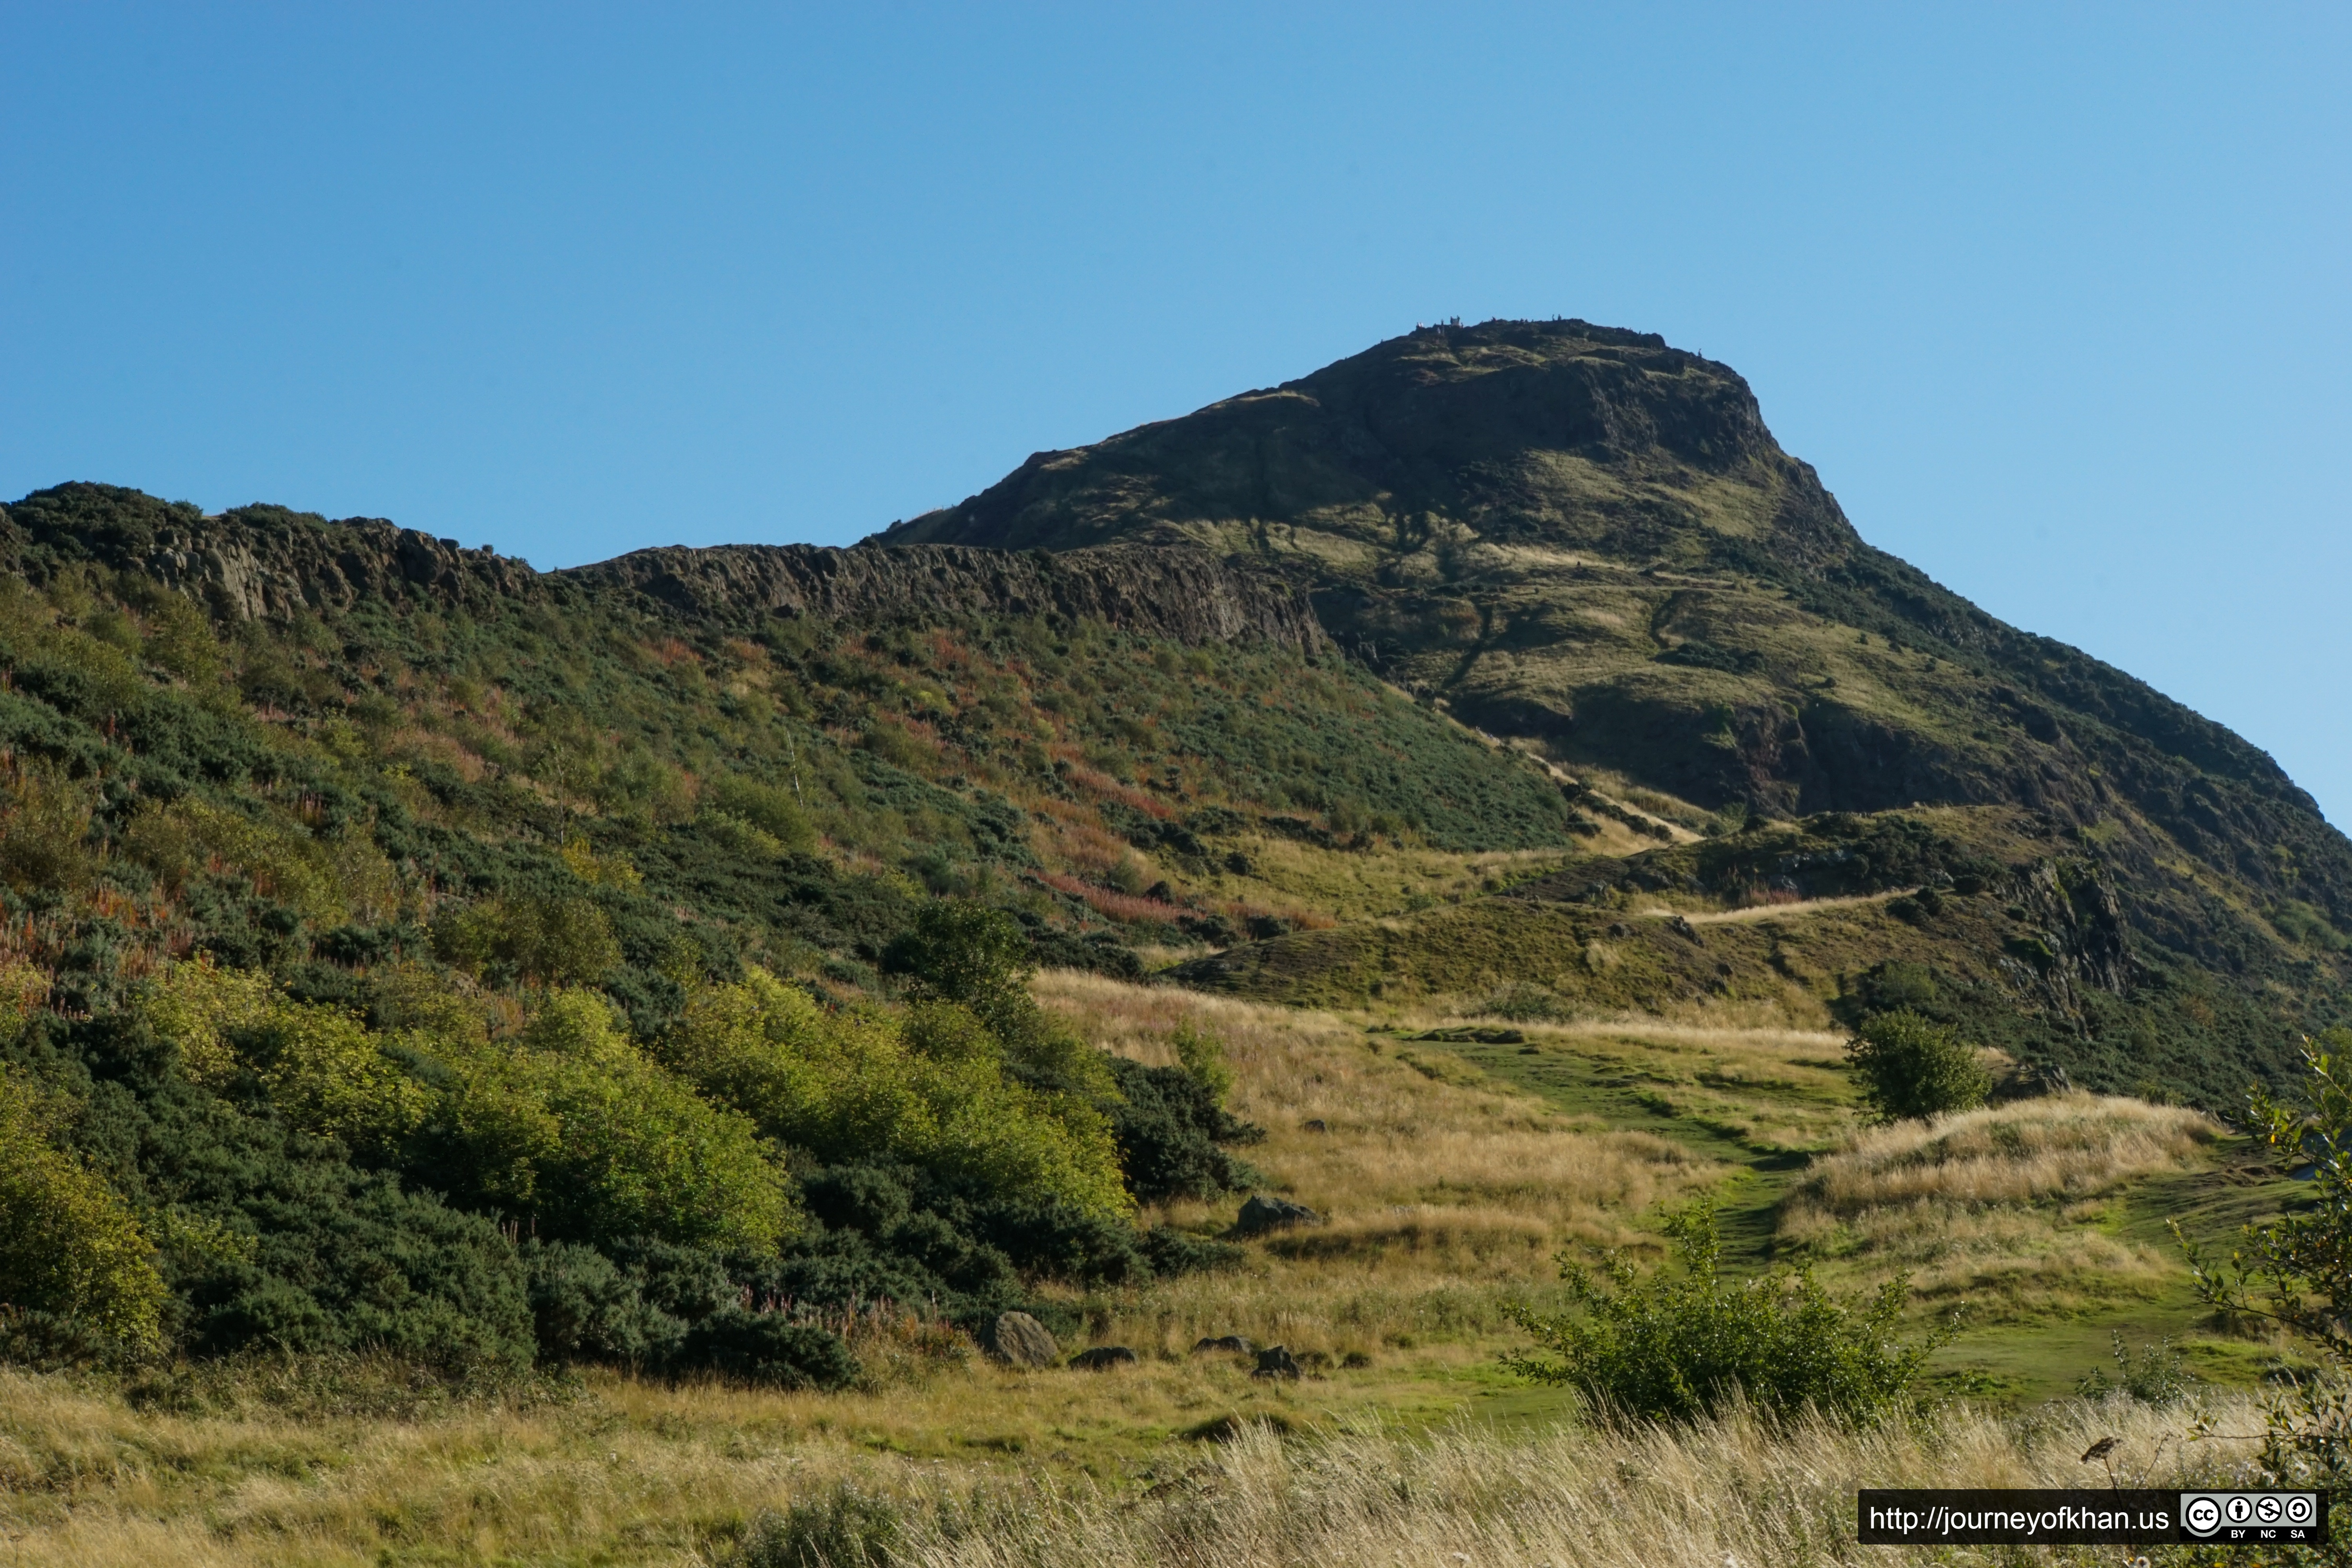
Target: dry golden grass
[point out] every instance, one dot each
(1396, 1144)
(2001, 1207)
(1736, 1492)
(2068, 1146)
(1443, 1198)
(628, 1473)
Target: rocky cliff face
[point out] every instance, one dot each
(265, 561)
(1187, 594)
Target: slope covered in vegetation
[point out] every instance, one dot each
(1588, 541)
(497, 968)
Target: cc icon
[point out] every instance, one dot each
(2202, 1516)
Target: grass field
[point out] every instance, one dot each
(1450, 1173)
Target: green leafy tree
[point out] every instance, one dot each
(1911, 1065)
(969, 954)
(1687, 1341)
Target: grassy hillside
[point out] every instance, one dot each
(504, 1066)
(1586, 541)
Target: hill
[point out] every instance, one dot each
(1586, 542)
(558, 1062)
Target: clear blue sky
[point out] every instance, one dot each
(2055, 297)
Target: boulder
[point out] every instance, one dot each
(1102, 1358)
(1261, 1214)
(1019, 1340)
(1276, 1360)
(1232, 1342)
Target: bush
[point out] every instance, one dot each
(69, 1248)
(848, 1528)
(43, 835)
(1913, 1067)
(2296, 1271)
(768, 1348)
(2156, 1376)
(574, 1126)
(1169, 1128)
(771, 810)
(547, 942)
(585, 1307)
(1679, 1347)
(932, 1090)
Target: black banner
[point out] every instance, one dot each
(2089, 1517)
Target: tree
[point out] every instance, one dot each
(1913, 1067)
(2296, 1271)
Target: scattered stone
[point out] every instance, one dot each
(1261, 1214)
(1020, 1340)
(1313, 1124)
(1102, 1358)
(1275, 1361)
(1234, 1342)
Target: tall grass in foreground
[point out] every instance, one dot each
(1734, 1492)
(716, 1477)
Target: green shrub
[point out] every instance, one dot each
(846, 1529)
(547, 941)
(768, 1348)
(320, 1068)
(69, 1247)
(1913, 1067)
(772, 810)
(931, 1089)
(2155, 1375)
(1169, 1126)
(45, 834)
(573, 1127)
(270, 1238)
(2297, 1270)
(1680, 1345)
(1201, 1054)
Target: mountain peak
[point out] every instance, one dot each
(1560, 434)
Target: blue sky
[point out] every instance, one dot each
(2054, 296)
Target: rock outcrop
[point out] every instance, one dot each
(1187, 594)
(264, 561)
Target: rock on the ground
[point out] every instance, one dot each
(1276, 1360)
(1022, 1341)
(1102, 1358)
(1262, 1214)
(1234, 1342)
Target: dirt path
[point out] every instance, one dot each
(1774, 912)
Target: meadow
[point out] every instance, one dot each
(1449, 1173)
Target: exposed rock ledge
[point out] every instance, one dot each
(266, 561)
(1174, 591)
